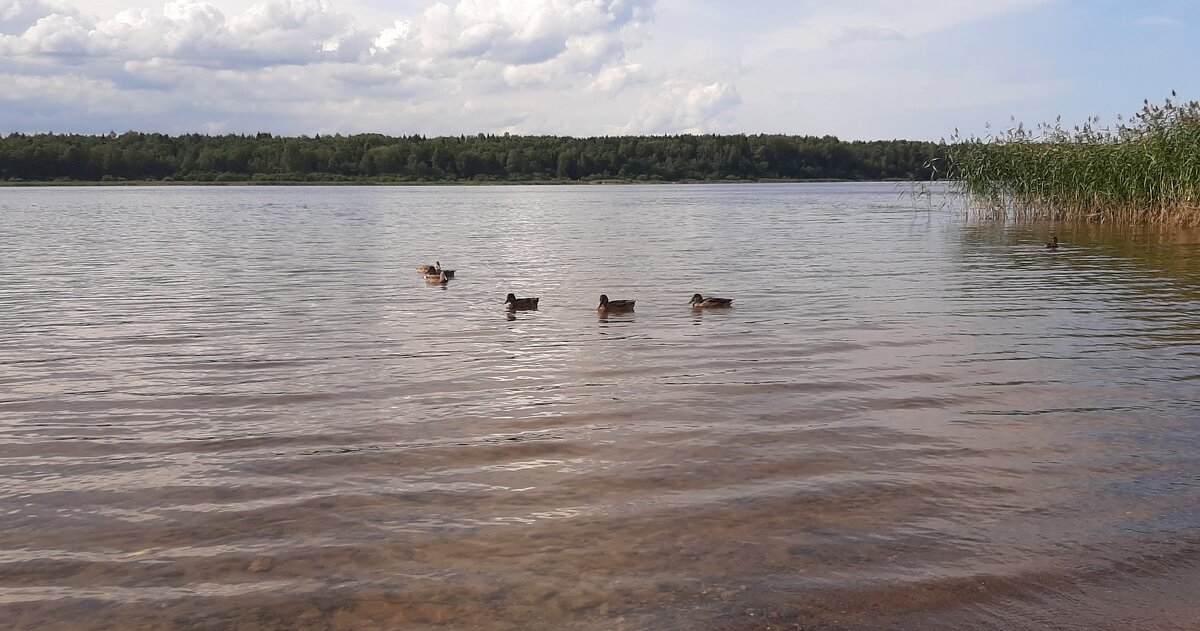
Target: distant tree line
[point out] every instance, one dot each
(378, 158)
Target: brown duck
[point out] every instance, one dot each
(521, 304)
(434, 270)
(614, 306)
(700, 302)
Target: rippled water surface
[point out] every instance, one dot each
(242, 408)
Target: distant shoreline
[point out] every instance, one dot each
(135, 157)
(166, 183)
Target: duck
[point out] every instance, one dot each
(521, 304)
(700, 302)
(434, 269)
(614, 306)
(1053, 244)
(437, 279)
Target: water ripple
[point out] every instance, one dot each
(225, 407)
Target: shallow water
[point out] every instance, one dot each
(241, 408)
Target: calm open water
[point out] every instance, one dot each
(242, 408)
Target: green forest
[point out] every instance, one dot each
(373, 158)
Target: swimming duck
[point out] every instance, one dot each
(700, 302)
(437, 279)
(1053, 244)
(434, 269)
(614, 306)
(520, 304)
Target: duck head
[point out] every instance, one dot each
(696, 298)
(510, 299)
(603, 300)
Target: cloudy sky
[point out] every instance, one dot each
(858, 69)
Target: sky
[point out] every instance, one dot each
(856, 69)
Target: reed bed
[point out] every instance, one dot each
(1144, 170)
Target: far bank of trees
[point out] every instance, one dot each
(378, 158)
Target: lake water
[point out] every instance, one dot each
(242, 408)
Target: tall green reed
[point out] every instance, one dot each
(1143, 170)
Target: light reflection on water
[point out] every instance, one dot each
(244, 406)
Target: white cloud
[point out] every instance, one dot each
(277, 52)
(27, 88)
(678, 106)
(269, 33)
(18, 16)
(44, 101)
(526, 42)
(391, 37)
(56, 35)
(582, 54)
(614, 79)
(857, 68)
